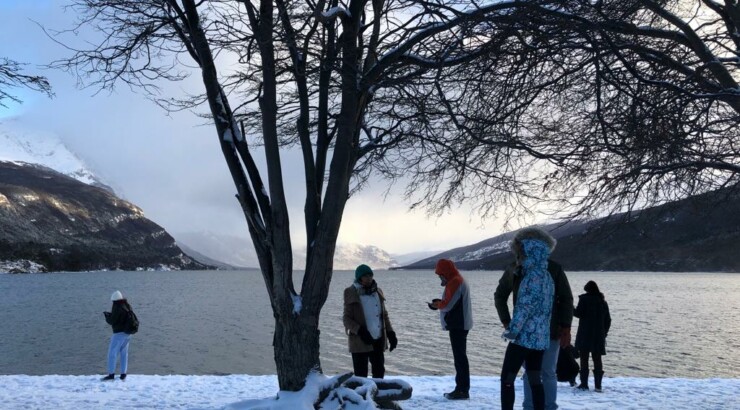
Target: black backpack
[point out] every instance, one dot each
(132, 323)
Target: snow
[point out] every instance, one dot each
(334, 11)
(21, 145)
(242, 392)
(297, 304)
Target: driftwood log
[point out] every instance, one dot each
(338, 391)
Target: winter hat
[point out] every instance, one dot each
(532, 232)
(116, 296)
(362, 270)
(446, 268)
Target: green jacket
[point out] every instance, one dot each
(562, 308)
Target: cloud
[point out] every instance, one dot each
(172, 166)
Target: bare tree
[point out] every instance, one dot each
(645, 105)
(12, 76)
(495, 103)
(308, 74)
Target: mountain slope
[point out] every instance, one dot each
(695, 234)
(21, 145)
(62, 224)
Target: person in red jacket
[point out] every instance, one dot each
(456, 315)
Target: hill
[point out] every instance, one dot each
(692, 235)
(52, 222)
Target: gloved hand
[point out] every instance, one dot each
(564, 337)
(392, 340)
(508, 336)
(365, 335)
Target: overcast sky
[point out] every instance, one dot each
(172, 166)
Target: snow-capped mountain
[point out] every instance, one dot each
(20, 144)
(238, 251)
(50, 222)
(348, 255)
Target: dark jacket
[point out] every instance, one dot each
(562, 305)
(118, 315)
(593, 325)
(354, 317)
(567, 368)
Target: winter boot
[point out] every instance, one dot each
(584, 379)
(457, 395)
(123, 376)
(108, 378)
(598, 374)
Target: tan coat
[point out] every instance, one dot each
(354, 317)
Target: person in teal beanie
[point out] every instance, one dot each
(367, 325)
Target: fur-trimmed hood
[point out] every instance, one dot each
(532, 232)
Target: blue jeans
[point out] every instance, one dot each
(118, 345)
(549, 379)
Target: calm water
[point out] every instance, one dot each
(684, 325)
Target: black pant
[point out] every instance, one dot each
(515, 356)
(376, 359)
(598, 366)
(459, 342)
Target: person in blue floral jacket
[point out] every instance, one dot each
(528, 333)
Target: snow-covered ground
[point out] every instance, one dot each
(239, 392)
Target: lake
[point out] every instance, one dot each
(220, 322)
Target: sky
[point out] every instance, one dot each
(171, 165)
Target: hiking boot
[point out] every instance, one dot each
(108, 378)
(457, 395)
(123, 376)
(598, 375)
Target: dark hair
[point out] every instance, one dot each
(592, 287)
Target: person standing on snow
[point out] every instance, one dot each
(367, 325)
(456, 315)
(593, 327)
(561, 317)
(528, 333)
(118, 318)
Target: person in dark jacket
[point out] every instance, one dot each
(118, 319)
(593, 327)
(456, 315)
(367, 324)
(562, 312)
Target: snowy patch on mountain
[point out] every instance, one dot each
(495, 249)
(21, 145)
(20, 266)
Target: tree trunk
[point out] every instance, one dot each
(296, 348)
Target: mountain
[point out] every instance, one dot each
(348, 255)
(52, 222)
(230, 250)
(238, 252)
(698, 234)
(409, 258)
(22, 145)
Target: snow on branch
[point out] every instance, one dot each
(334, 12)
(297, 304)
